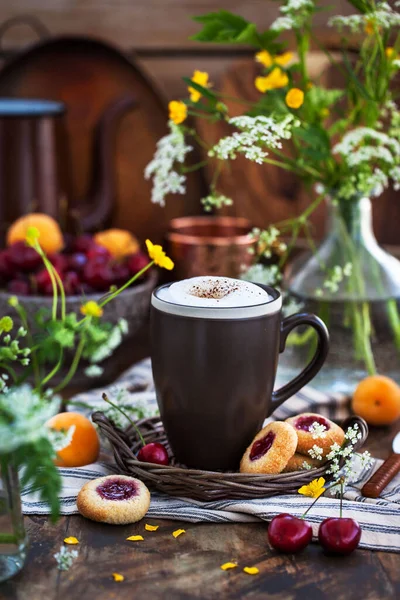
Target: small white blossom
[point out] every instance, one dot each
(94, 371)
(65, 557)
(383, 17)
(266, 275)
(316, 452)
(60, 439)
(295, 14)
(171, 150)
(123, 326)
(215, 200)
(317, 430)
(334, 450)
(306, 466)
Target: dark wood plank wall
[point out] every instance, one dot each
(155, 33)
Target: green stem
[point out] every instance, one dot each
(8, 538)
(54, 370)
(127, 284)
(10, 370)
(33, 356)
(341, 498)
(62, 294)
(74, 366)
(106, 399)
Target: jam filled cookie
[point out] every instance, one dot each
(296, 463)
(270, 450)
(315, 430)
(115, 499)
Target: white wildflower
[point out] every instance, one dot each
(382, 17)
(60, 439)
(171, 150)
(65, 557)
(291, 306)
(306, 466)
(22, 332)
(123, 326)
(26, 414)
(215, 200)
(94, 371)
(353, 434)
(334, 450)
(283, 24)
(316, 452)
(266, 275)
(295, 14)
(317, 430)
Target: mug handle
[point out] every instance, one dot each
(289, 389)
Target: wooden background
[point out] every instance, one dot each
(154, 34)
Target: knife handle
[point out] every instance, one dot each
(384, 475)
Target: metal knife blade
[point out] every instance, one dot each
(384, 475)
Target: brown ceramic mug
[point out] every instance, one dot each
(214, 372)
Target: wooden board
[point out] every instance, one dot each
(139, 23)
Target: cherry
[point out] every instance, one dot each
(287, 533)
(71, 283)
(121, 274)
(137, 262)
(6, 269)
(18, 287)
(23, 257)
(98, 254)
(77, 261)
(59, 262)
(339, 536)
(98, 276)
(82, 243)
(154, 453)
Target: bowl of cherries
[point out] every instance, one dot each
(87, 269)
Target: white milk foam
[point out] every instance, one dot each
(214, 292)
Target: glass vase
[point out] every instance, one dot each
(13, 541)
(354, 286)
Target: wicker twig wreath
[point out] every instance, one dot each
(195, 483)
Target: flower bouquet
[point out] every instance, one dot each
(344, 147)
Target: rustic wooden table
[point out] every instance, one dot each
(162, 567)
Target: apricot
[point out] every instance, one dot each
(119, 242)
(377, 400)
(50, 235)
(84, 447)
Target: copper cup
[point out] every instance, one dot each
(209, 246)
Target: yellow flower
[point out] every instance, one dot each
(91, 309)
(200, 77)
(118, 577)
(283, 59)
(151, 527)
(178, 532)
(389, 51)
(276, 79)
(177, 111)
(71, 540)
(313, 489)
(251, 570)
(32, 236)
(157, 254)
(264, 58)
(369, 27)
(228, 565)
(135, 538)
(294, 98)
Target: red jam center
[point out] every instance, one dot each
(261, 447)
(304, 423)
(117, 489)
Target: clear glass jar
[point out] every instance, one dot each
(354, 286)
(13, 540)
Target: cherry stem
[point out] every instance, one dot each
(107, 399)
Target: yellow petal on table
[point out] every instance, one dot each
(135, 538)
(118, 577)
(71, 540)
(251, 570)
(178, 532)
(151, 527)
(228, 565)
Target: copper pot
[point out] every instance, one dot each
(209, 246)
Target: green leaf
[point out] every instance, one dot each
(315, 140)
(65, 337)
(320, 98)
(203, 90)
(225, 27)
(362, 5)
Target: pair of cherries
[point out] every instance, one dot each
(287, 533)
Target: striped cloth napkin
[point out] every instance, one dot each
(379, 519)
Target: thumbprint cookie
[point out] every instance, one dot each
(315, 430)
(296, 463)
(115, 499)
(270, 450)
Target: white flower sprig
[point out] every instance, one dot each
(383, 17)
(171, 151)
(65, 557)
(215, 201)
(295, 14)
(254, 135)
(347, 453)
